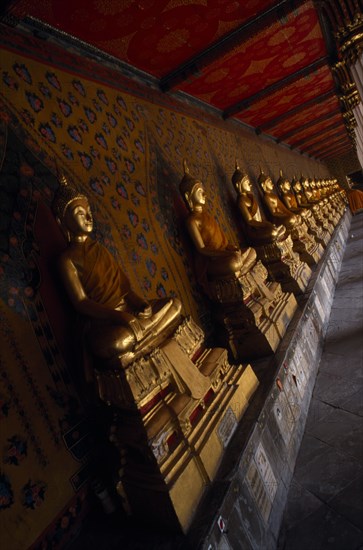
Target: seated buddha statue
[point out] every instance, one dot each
(258, 230)
(117, 321)
(279, 213)
(216, 256)
(289, 197)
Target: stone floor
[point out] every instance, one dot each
(325, 502)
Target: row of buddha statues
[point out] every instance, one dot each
(175, 401)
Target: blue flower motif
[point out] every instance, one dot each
(105, 179)
(45, 90)
(10, 82)
(121, 190)
(6, 492)
(85, 159)
(64, 107)
(34, 101)
(67, 152)
(102, 97)
(111, 120)
(115, 204)
(77, 85)
(74, 133)
(121, 102)
(47, 132)
(106, 129)
(126, 232)
(97, 186)
(146, 284)
(160, 290)
(121, 143)
(56, 120)
(83, 125)
(27, 117)
(139, 146)
(129, 123)
(140, 189)
(97, 106)
(145, 225)
(135, 200)
(111, 164)
(136, 258)
(94, 152)
(23, 72)
(101, 141)
(130, 165)
(91, 115)
(141, 241)
(133, 217)
(154, 248)
(151, 267)
(73, 99)
(53, 80)
(164, 274)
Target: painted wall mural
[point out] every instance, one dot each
(124, 148)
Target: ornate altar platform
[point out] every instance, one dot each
(245, 506)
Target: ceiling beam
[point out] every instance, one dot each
(228, 42)
(322, 143)
(323, 149)
(296, 110)
(240, 105)
(332, 143)
(305, 140)
(336, 152)
(305, 126)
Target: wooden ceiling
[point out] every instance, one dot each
(265, 63)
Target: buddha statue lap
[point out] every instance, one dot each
(152, 367)
(245, 302)
(272, 243)
(303, 243)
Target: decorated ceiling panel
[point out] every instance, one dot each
(284, 47)
(314, 112)
(276, 104)
(266, 63)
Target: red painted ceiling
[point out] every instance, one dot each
(264, 62)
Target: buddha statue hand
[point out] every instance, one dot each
(146, 312)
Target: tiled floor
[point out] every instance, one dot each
(325, 502)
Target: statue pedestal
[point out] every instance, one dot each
(174, 412)
(305, 245)
(284, 265)
(251, 323)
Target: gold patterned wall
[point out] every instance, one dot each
(123, 145)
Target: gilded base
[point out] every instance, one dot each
(170, 432)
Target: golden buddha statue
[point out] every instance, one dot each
(278, 212)
(272, 243)
(234, 279)
(216, 256)
(170, 394)
(303, 243)
(290, 200)
(258, 230)
(119, 322)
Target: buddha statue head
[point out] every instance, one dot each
(192, 190)
(265, 182)
(72, 210)
(283, 184)
(241, 180)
